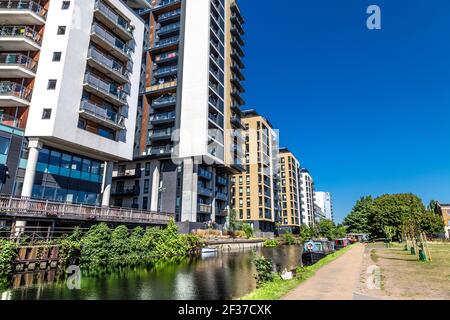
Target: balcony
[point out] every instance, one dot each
(161, 88)
(125, 174)
(105, 90)
(205, 174)
(22, 12)
(168, 43)
(216, 102)
(204, 208)
(101, 115)
(107, 65)
(237, 58)
(237, 83)
(203, 191)
(221, 196)
(160, 151)
(237, 95)
(166, 5)
(237, 71)
(161, 134)
(237, 36)
(17, 65)
(120, 191)
(14, 95)
(165, 71)
(159, 118)
(221, 212)
(169, 16)
(222, 181)
(169, 30)
(217, 119)
(19, 38)
(166, 57)
(110, 43)
(10, 121)
(115, 22)
(165, 101)
(236, 121)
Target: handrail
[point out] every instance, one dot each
(24, 5)
(18, 59)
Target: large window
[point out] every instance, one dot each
(4, 145)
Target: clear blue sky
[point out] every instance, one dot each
(367, 112)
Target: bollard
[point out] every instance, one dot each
(413, 251)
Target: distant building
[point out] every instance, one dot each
(325, 203)
(307, 197)
(444, 211)
(318, 213)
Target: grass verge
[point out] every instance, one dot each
(278, 288)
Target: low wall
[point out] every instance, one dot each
(235, 245)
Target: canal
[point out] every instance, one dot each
(208, 277)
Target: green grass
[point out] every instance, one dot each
(278, 288)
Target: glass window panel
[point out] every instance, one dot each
(86, 165)
(4, 145)
(43, 156)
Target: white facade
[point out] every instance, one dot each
(61, 130)
(307, 197)
(324, 201)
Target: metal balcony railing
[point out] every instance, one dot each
(20, 32)
(100, 112)
(166, 42)
(33, 208)
(169, 28)
(114, 17)
(164, 101)
(204, 191)
(24, 5)
(161, 133)
(105, 87)
(169, 15)
(108, 62)
(160, 150)
(111, 39)
(9, 88)
(165, 70)
(204, 174)
(162, 116)
(18, 59)
(166, 2)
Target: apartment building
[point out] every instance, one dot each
(69, 88)
(444, 211)
(254, 193)
(289, 172)
(188, 133)
(307, 197)
(324, 201)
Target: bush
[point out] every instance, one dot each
(8, 252)
(239, 234)
(264, 269)
(248, 230)
(96, 245)
(271, 243)
(289, 239)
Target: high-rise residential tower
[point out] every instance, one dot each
(289, 171)
(307, 197)
(69, 83)
(188, 138)
(254, 192)
(325, 203)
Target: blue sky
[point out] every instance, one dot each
(365, 111)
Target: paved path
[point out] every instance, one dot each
(335, 281)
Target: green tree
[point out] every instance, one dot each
(248, 230)
(430, 223)
(120, 244)
(326, 229)
(96, 245)
(305, 232)
(233, 224)
(358, 219)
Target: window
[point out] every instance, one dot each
(65, 5)
(147, 169)
(61, 30)
(46, 114)
(145, 203)
(4, 145)
(51, 85)
(146, 186)
(56, 56)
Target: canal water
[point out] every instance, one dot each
(207, 277)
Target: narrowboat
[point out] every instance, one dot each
(314, 250)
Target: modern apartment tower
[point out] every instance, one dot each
(69, 83)
(254, 192)
(307, 197)
(324, 201)
(188, 138)
(289, 171)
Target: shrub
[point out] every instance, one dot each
(289, 239)
(96, 245)
(264, 269)
(248, 230)
(239, 234)
(8, 251)
(271, 243)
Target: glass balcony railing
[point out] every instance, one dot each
(169, 15)
(166, 3)
(18, 59)
(166, 56)
(164, 101)
(170, 27)
(221, 196)
(162, 116)
(24, 5)
(108, 62)
(114, 17)
(166, 42)
(165, 71)
(217, 119)
(204, 191)
(160, 150)
(20, 32)
(111, 39)
(204, 173)
(9, 88)
(162, 133)
(105, 87)
(222, 181)
(99, 111)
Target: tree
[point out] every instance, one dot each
(357, 220)
(233, 223)
(430, 223)
(326, 229)
(305, 232)
(432, 206)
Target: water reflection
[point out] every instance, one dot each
(207, 277)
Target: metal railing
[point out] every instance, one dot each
(20, 32)
(24, 5)
(170, 27)
(18, 59)
(111, 39)
(99, 111)
(164, 101)
(105, 87)
(11, 121)
(169, 14)
(162, 116)
(166, 42)
(166, 2)
(160, 150)
(165, 70)
(161, 133)
(9, 88)
(108, 62)
(114, 17)
(26, 207)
